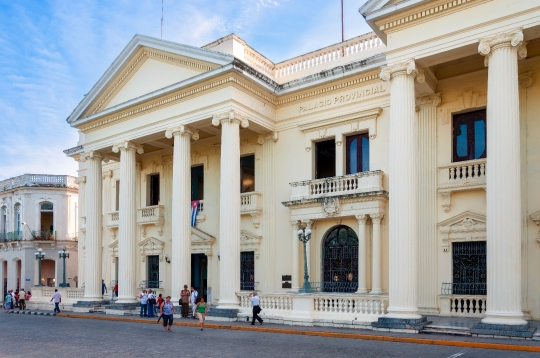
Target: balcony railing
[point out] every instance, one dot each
(38, 180)
(464, 175)
(250, 202)
(44, 235)
(363, 182)
(11, 236)
(151, 215)
(112, 219)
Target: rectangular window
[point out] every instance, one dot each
(469, 268)
(469, 136)
(357, 153)
(197, 182)
(247, 271)
(117, 204)
(247, 173)
(325, 159)
(153, 272)
(152, 197)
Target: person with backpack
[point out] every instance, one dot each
(151, 303)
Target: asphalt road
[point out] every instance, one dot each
(42, 336)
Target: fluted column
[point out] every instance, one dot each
(94, 218)
(403, 241)
(362, 254)
(309, 224)
(503, 187)
(181, 208)
(427, 203)
(376, 285)
(229, 207)
(127, 221)
(81, 182)
(295, 283)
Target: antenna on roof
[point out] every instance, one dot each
(162, 19)
(342, 30)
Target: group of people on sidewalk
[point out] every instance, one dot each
(16, 298)
(149, 303)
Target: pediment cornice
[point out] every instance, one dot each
(458, 219)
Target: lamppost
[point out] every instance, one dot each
(31, 232)
(40, 255)
(64, 255)
(304, 235)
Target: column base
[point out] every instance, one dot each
(507, 319)
(362, 290)
(413, 325)
(505, 330)
(376, 291)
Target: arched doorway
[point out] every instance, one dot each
(48, 273)
(340, 260)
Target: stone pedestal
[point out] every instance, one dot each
(503, 330)
(127, 221)
(400, 324)
(503, 191)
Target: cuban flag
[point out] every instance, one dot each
(194, 211)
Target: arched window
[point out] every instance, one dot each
(17, 219)
(340, 260)
(47, 218)
(3, 223)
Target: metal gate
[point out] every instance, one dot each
(153, 272)
(469, 268)
(247, 271)
(340, 260)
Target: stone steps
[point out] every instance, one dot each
(450, 330)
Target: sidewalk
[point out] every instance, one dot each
(432, 339)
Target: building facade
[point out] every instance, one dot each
(409, 153)
(37, 211)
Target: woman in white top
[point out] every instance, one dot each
(144, 303)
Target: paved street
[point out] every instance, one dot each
(36, 336)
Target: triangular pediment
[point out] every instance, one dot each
(199, 236)
(464, 219)
(151, 242)
(146, 65)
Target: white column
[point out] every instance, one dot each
(229, 207)
(503, 187)
(403, 240)
(12, 274)
(81, 182)
(295, 269)
(362, 254)
(93, 211)
(376, 286)
(427, 203)
(181, 208)
(127, 221)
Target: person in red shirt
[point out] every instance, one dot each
(116, 289)
(159, 302)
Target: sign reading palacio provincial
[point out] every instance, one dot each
(335, 100)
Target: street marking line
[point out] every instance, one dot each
(455, 355)
(439, 342)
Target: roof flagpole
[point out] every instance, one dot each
(161, 34)
(342, 30)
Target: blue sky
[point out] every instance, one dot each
(52, 52)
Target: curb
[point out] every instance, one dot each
(370, 337)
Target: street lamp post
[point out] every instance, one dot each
(31, 232)
(64, 255)
(304, 235)
(40, 255)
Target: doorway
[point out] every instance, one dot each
(199, 274)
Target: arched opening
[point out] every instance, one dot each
(340, 260)
(3, 223)
(47, 222)
(17, 222)
(48, 273)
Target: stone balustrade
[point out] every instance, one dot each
(38, 180)
(465, 175)
(274, 302)
(355, 305)
(151, 215)
(363, 182)
(250, 202)
(112, 219)
(463, 306)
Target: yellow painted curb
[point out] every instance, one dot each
(370, 337)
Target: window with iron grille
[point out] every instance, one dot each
(247, 271)
(153, 272)
(340, 260)
(469, 268)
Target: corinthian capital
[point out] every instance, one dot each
(127, 144)
(93, 154)
(273, 136)
(182, 130)
(376, 217)
(230, 116)
(525, 79)
(403, 68)
(512, 38)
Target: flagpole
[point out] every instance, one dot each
(342, 30)
(161, 32)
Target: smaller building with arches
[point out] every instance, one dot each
(37, 211)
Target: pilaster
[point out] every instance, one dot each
(376, 275)
(362, 254)
(295, 252)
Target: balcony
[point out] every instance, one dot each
(11, 236)
(468, 175)
(251, 204)
(151, 215)
(112, 223)
(44, 235)
(38, 180)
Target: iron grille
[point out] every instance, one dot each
(340, 260)
(469, 268)
(153, 272)
(247, 271)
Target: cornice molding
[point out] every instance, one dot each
(182, 129)
(127, 144)
(513, 38)
(341, 120)
(403, 68)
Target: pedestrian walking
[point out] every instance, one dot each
(151, 303)
(166, 311)
(16, 297)
(144, 303)
(256, 308)
(103, 288)
(57, 298)
(184, 301)
(193, 299)
(7, 301)
(22, 299)
(116, 289)
(202, 309)
(159, 302)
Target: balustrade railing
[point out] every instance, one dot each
(250, 201)
(473, 288)
(272, 302)
(11, 236)
(351, 305)
(472, 171)
(44, 235)
(75, 293)
(347, 184)
(28, 180)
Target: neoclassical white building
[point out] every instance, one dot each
(410, 153)
(37, 211)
